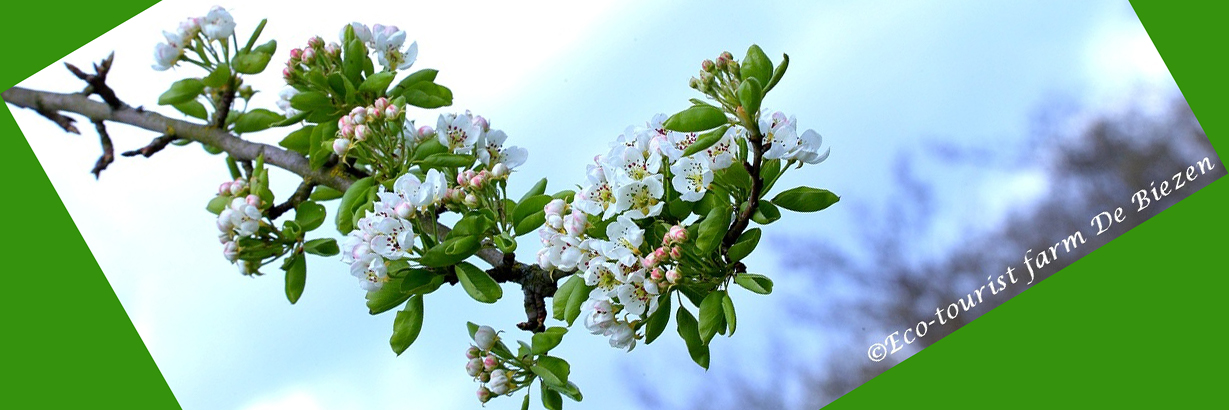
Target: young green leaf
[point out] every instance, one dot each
(543, 342)
(451, 251)
(755, 283)
(311, 101)
(551, 399)
(658, 320)
(559, 302)
(706, 140)
(258, 119)
(407, 325)
(744, 245)
(322, 247)
(424, 75)
(766, 213)
(296, 278)
(386, 297)
(182, 91)
(689, 331)
(218, 77)
(712, 317)
(445, 160)
(477, 283)
(324, 193)
(309, 215)
(756, 65)
(252, 62)
(576, 300)
(377, 83)
(750, 94)
(727, 306)
(778, 73)
(428, 95)
(217, 204)
(713, 229)
(537, 189)
(553, 370)
(696, 118)
(193, 108)
(299, 141)
(356, 194)
(529, 214)
(805, 199)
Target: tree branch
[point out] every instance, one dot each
(154, 146)
(108, 150)
(300, 195)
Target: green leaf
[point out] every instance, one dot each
(735, 176)
(309, 215)
(712, 317)
(377, 83)
(778, 73)
(575, 300)
(352, 61)
(744, 245)
(217, 204)
(269, 47)
(258, 119)
(706, 140)
(473, 224)
(689, 331)
(427, 75)
(543, 342)
(420, 281)
(451, 251)
(407, 325)
(218, 77)
(322, 247)
(428, 148)
(551, 399)
(299, 141)
(750, 94)
(553, 370)
(696, 118)
(657, 322)
(559, 302)
(311, 101)
(755, 283)
(353, 196)
(296, 278)
(537, 189)
(766, 213)
(525, 401)
(324, 193)
(182, 91)
(679, 209)
(428, 95)
(529, 214)
(727, 307)
(445, 160)
(805, 199)
(477, 283)
(756, 65)
(193, 108)
(386, 297)
(713, 229)
(252, 62)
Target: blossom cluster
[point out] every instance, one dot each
(240, 219)
(386, 42)
(381, 117)
(493, 375)
(315, 55)
(216, 25)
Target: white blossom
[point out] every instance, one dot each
(691, 178)
(458, 132)
(371, 271)
(641, 199)
(491, 151)
(218, 24)
(168, 53)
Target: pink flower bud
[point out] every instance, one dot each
(404, 210)
(426, 131)
(650, 261)
(347, 131)
(660, 253)
(472, 352)
(485, 337)
(554, 207)
(332, 49)
(677, 234)
(253, 200)
(309, 55)
(469, 174)
(476, 181)
(473, 367)
(373, 113)
(360, 132)
(462, 181)
(490, 362)
(380, 104)
(672, 276)
(392, 111)
(230, 251)
(315, 42)
(358, 115)
(655, 274)
(484, 395)
(286, 73)
(224, 188)
(482, 122)
(471, 201)
(499, 171)
(296, 54)
(340, 146)
(238, 187)
(676, 253)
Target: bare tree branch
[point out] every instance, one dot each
(300, 195)
(108, 150)
(154, 146)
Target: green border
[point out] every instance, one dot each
(67, 341)
(1135, 323)
(1132, 324)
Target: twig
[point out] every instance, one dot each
(154, 146)
(300, 195)
(108, 150)
(98, 81)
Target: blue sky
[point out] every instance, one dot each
(563, 79)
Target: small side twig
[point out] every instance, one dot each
(65, 123)
(300, 195)
(108, 150)
(97, 82)
(154, 146)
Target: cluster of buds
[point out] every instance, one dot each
(216, 25)
(725, 70)
(240, 219)
(364, 122)
(493, 375)
(670, 252)
(316, 55)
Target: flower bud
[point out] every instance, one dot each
(296, 54)
(286, 74)
(473, 367)
(655, 274)
(404, 210)
(673, 276)
(707, 66)
(343, 122)
(554, 207)
(485, 337)
(499, 382)
(253, 200)
(482, 123)
(315, 42)
(392, 112)
(238, 187)
(476, 181)
(484, 395)
(472, 352)
(677, 234)
(333, 49)
(231, 251)
(309, 55)
(462, 181)
(693, 83)
(490, 362)
(360, 132)
(499, 171)
(544, 259)
(554, 221)
(650, 261)
(224, 189)
(734, 69)
(358, 115)
(676, 253)
(340, 146)
(380, 104)
(426, 131)
(470, 201)
(373, 113)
